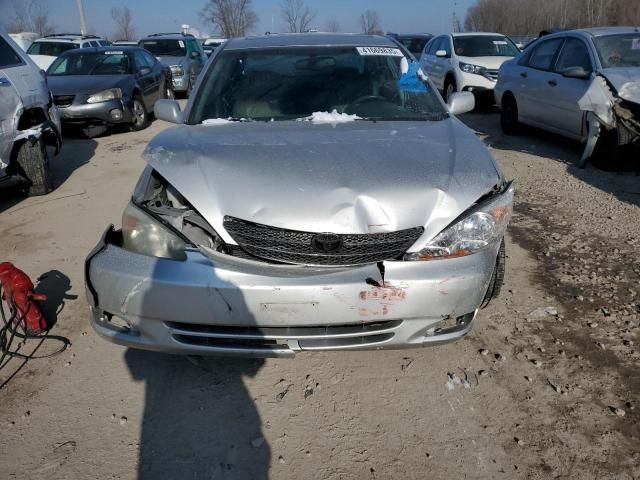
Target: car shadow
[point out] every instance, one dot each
(199, 419)
(75, 153)
(619, 179)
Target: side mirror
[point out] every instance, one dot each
(168, 110)
(441, 54)
(461, 102)
(576, 72)
(195, 54)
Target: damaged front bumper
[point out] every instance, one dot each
(217, 304)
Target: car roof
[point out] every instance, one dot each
(110, 48)
(476, 34)
(309, 40)
(168, 36)
(68, 37)
(410, 35)
(601, 31)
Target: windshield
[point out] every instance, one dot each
(53, 49)
(484, 46)
(292, 83)
(619, 50)
(165, 48)
(91, 63)
(414, 45)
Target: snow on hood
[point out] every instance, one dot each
(358, 177)
(326, 117)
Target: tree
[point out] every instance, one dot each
(234, 18)
(333, 25)
(123, 19)
(30, 16)
(297, 15)
(370, 23)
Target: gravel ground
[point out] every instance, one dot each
(546, 385)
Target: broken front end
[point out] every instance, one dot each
(169, 282)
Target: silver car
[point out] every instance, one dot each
(28, 121)
(582, 84)
(316, 194)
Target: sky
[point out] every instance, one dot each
(149, 16)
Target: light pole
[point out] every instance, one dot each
(83, 22)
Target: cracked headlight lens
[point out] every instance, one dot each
(105, 95)
(146, 235)
(479, 228)
(470, 68)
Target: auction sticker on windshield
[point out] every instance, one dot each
(388, 52)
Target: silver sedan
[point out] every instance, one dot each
(316, 194)
(582, 84)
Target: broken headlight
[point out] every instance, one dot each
(479, 228)
(144, 234)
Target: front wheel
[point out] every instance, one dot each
(449, 89)
(139, 113)
(509, 116)
(497, 278)
(33, 166)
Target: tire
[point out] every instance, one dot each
(497, 278)
(167, 92)
(140, 119)
(33, 166)
(449, 88)
(509, 116)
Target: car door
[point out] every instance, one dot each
(145, 78)
(429, 61)
(563, 93)
(197, 57)
(158, 71)
(442, 65)
(536, 77)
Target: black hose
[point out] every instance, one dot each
(10, 330)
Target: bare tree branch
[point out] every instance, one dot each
(122, 17)
(523, 17)
(234, 18)
(297, 15)
(30, 16)
(332, 25)
(370, 23)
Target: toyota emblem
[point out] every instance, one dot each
(326, 242)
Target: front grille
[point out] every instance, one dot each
(63, 100)
(491, 75)
(295, 247)
(275, 339)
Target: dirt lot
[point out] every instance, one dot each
(546, 386)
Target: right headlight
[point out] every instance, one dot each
(144, 234)
(177, 70)
(479, 228)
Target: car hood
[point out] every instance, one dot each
(43, 61)
(492, 63)
(358, 177)
(84, 84)
(626, 81)
(168, 61)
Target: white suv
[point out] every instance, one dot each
(467, 62)
(45, 50)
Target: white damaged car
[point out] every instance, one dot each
(29, 121)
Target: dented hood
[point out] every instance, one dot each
(359, 177)
(626, 81)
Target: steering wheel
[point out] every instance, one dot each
(364, 99)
